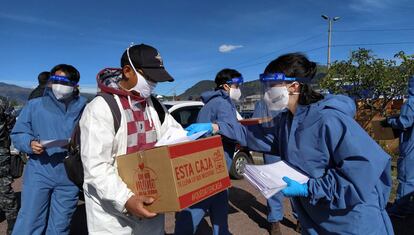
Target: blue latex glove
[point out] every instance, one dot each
(198, 127)
(294, 188)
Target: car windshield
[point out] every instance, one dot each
(168, 106)
(186, 115)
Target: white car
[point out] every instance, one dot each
(186, 112)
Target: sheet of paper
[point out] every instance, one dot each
(175, 136)
(268, 178)
(54, 143)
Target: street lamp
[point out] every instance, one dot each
(330, 20)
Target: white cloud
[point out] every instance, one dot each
(29, 20)
(227, 48)
(369, 5)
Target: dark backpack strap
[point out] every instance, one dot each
(158, 107)
(113, 105)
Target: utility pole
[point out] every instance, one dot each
(330, 21)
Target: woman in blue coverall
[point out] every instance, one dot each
(404, 203)
(349, 174)
(49, 198)
(218, 108)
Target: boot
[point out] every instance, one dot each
(10, 225)
(275, 229)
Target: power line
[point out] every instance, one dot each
(255, 58)
(267, 54)
(338, 45)
(313, 49)
(373, 30)
(316, 48)
(267, 61)
(372, 44)
(281, 49)
(335, 45)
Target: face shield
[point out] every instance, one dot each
(61, 86)
(62, 80)
(235, 91)
(274, 95)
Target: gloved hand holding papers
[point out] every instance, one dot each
(268, 178)
(175, 136)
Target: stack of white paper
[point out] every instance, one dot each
(268, 178)
(175, 136)
(54, 143)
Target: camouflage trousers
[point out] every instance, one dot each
(8, 201)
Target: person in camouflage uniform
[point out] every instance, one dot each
(8, 201)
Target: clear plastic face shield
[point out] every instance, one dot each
(61, 86)
(274, 96)
(62, 80)
(235, 88)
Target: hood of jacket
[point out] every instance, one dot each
(108, 81)
(209, 95)
(310, 114)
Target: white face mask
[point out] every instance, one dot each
(61, 91)
(143, 86)
(235, 94)
(277, 98)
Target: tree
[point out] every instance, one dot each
(372, 81)
(406, 67)
(14, 103)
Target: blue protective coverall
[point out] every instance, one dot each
(274, 203)
(49, 198)
(218, 109)
(350, 179)
(404, 203)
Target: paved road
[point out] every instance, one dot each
(247, 215)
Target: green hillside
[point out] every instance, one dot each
(19, 94)
(195, 91)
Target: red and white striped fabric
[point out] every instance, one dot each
(141, 135)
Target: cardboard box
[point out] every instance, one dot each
(396, 104)
(383, 133)
(177, 176)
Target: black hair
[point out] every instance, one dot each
(71, 72)
(124, 59)
(43, 77)
(297, 65)
(224, 76)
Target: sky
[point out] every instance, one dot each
(196, 39)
